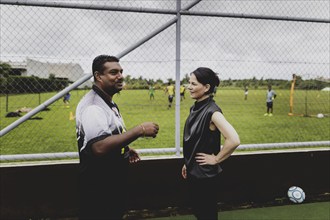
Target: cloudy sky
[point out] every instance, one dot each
(233, 47)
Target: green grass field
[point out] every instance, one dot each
(56, 133)
(308, 211)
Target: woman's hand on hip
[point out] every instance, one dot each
(206, 159)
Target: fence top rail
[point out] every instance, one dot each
(157, 157)
(255, 16)
(160, 151)
(184, 11)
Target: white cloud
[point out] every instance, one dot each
(236, 48)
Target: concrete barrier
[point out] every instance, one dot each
(49, 190)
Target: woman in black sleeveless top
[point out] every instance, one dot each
(201, 144)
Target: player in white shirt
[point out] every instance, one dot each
(103, 144)
(270, 96)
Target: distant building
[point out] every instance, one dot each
(70, 71)
(18, 68)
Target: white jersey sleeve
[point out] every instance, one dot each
(94, 120)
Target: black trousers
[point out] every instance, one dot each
(103, 193)
(203, 197)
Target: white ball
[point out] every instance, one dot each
(320, 115)
(296, 194)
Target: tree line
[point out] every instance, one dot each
(12, 82)
(253, 83)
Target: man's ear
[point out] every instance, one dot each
(97, 76)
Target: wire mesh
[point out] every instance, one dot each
(44, 49)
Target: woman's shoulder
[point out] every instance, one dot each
(213, 106)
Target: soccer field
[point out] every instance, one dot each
(308, 211)
(53, 131)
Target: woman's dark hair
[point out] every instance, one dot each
(205, 76)
(100, 60)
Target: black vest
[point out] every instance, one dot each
(198, 138)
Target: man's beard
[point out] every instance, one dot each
(113, 90)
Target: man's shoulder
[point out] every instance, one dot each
(91, 98)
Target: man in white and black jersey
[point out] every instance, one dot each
(103, 144)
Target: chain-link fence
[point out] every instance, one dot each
(47, 46)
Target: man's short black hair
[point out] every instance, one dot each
(100, 60)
